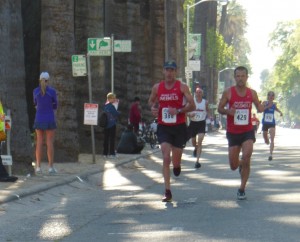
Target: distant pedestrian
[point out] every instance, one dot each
(45, 101)
(110, 108)
(255, 122)
(170, 100)
(135, 114)
(236, 102)
(269, 123)
(197, 124)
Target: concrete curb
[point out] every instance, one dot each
(65, 180)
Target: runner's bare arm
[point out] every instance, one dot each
(278, 110)
(223, 101)
(190, 105)
(207, 108)
(260, 107)
(153, 102)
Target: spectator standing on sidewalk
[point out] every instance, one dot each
(269, 122)
(170, 100)
(110, 108)
(4, 176)
(135, 114)
(238, 101)
(197, 124)
(45, 101)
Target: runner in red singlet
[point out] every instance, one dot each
(236, 103)
(170, 100)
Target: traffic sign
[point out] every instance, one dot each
(99, 46)
(79, 65)
(90, 114)
(122, 46)
(194, 65)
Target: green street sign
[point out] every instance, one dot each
(79, 65)
(122, 45)
(99, 46)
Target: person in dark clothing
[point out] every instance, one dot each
(135, 114)
(4, 176)
(110, 108)
(128, 143)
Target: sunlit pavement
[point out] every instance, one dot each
(128, 206)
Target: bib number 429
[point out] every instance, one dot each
(241, 117)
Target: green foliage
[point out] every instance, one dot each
(285, 77)
(218, 53)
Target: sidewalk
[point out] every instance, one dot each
(66, 173)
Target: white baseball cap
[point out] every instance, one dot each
(45, 76)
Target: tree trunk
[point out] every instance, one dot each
(57, 46)
(89, 27)
(174, 34)
(205, 17)
(12, 85)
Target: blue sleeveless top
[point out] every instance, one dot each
(269, 117)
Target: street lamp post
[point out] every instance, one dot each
(223, 2)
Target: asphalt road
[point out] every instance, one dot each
(124, 203)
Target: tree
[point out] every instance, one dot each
(57, 45)
(286, 73)
(12, 74)
(233, 29)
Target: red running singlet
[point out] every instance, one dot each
(241, 121)
(173, 98)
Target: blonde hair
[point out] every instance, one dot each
(110, 95)
(43, 84)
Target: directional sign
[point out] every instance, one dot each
(99, 46)
(122, 46)
(79, 65)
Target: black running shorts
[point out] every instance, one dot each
(266, 127)
(239, 139)
(175, 135)
(196, 128)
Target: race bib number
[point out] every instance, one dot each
(199, 116)
(269, 117)
(241, 117)
(167, 117)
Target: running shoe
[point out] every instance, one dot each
(197, 165)
(38, 170)
(270, 158)
(167, 197)
(52, 170)
(195, 152)
(176, 170)
(241, 195)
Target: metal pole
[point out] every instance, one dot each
(90, 100)
(112, 63)
(187, 42)
(8, 141)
